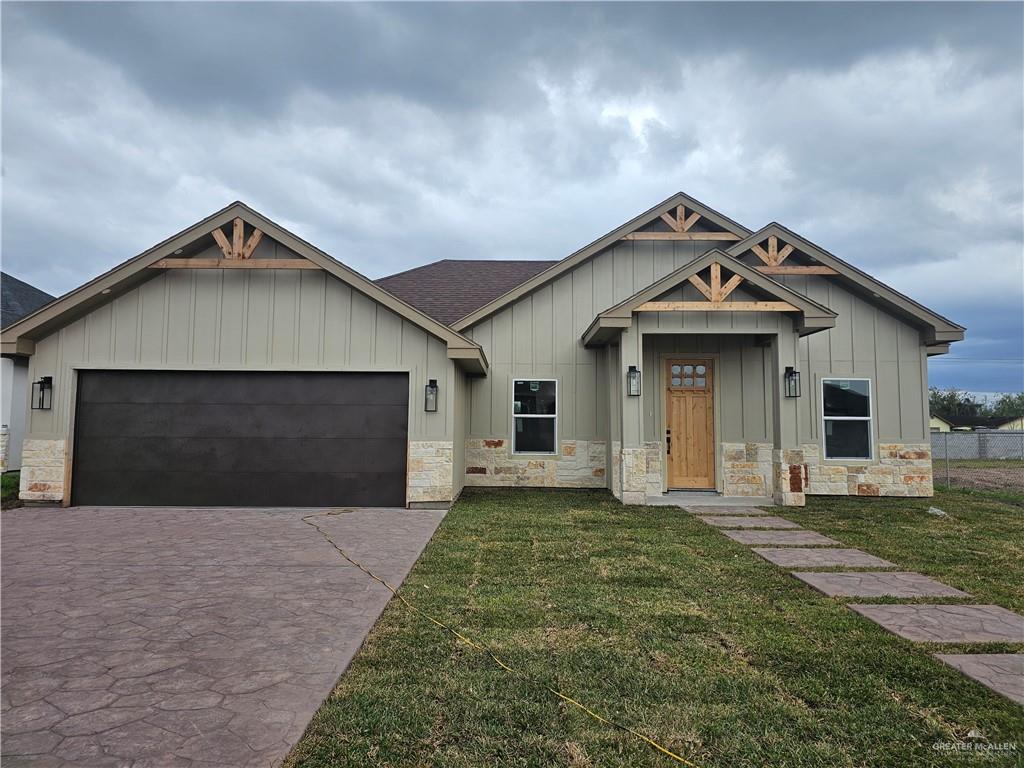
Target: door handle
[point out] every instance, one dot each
(668, 442)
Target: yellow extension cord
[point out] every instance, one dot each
(477, 646)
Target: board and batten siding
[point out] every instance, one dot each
(539, 336)
(245, 319)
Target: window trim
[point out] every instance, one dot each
(870, 419)
(512, 409)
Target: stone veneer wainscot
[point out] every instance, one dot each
(431, 469)
(580, 464)
(43, 463)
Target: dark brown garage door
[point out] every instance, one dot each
(225, 438)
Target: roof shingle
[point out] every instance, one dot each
(452, 288)
(18, 299)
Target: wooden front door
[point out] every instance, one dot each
(690, 420)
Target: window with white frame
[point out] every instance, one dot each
(846, 412)
(534, 415)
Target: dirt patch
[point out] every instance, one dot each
(983, 478)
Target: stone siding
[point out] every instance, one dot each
(579, 464)
(747, 469)
(43, 465)
(634, 475)
(900, 469)
(617, 469)
(655, 462)
(430, 473)
(4, 442)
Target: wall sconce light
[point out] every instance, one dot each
(633, 381)
(42, 394)
(430, 396)
(792, 382)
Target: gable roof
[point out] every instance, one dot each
(814, 316)
(18, 299)
(452, 288)
(940, 330)
(571, 261)
(19, 339)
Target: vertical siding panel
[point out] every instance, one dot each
(363, 329)
(259, 313)
(126, 327)
(622, 281)
(887, 384)
(501, 330)
(604, 275)
(643, 264)
(481, 390)
(416, 354)
(152, 298)
(522, 335)
(664, 258)
(179, 316)
(205, 315)
(284, 323)
(561, 330)
(841, 336)
(730, 387)
(388, 339)
(583, 306)
(311, 315)
(753, 387)
(232, 317)
(543, 330)
(912, 387)
(338, 327)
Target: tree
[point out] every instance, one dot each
(1008, 404)
(953, 402)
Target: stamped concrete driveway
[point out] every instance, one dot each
(179, 637)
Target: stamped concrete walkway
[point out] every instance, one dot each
(183, 637)
(955, 623)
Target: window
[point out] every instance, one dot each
(846, 406)
(534, 414)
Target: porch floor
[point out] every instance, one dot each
(707, 499)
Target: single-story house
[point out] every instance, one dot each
(938, 423)
(17, 299)
(236, 364)
(976, 423)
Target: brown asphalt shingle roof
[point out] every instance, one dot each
(452, 288)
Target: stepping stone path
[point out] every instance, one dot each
(822, 558)
(898, 584)
(947, 623)
(729, 521)
(799, 548)
(788, 538)
(1002, 672)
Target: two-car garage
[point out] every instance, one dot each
(240, 438)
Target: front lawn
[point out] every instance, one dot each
(654, 619)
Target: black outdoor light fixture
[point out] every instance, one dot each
(792, 381)
(42, 394)
(430, 396)
(633, 381)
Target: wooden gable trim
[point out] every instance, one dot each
(939, 329)
(667, 207)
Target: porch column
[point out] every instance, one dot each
(633, 456)
(789, 470)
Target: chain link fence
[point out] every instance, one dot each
(985, 459)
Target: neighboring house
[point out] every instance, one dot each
(237, 364)
(938, 423)
(17, 299)
(976, 423)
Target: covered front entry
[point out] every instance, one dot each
(690, 423)
(240, 438)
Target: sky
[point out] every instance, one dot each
(392, 135)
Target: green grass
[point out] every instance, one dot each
(658, 621)
(9, 495)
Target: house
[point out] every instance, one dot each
(978, 423)
(17, 299)
(237, 364)
(938, 423)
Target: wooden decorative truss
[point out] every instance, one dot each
(716, 294)
(681, 225)
(237, 254)
(774, 256)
